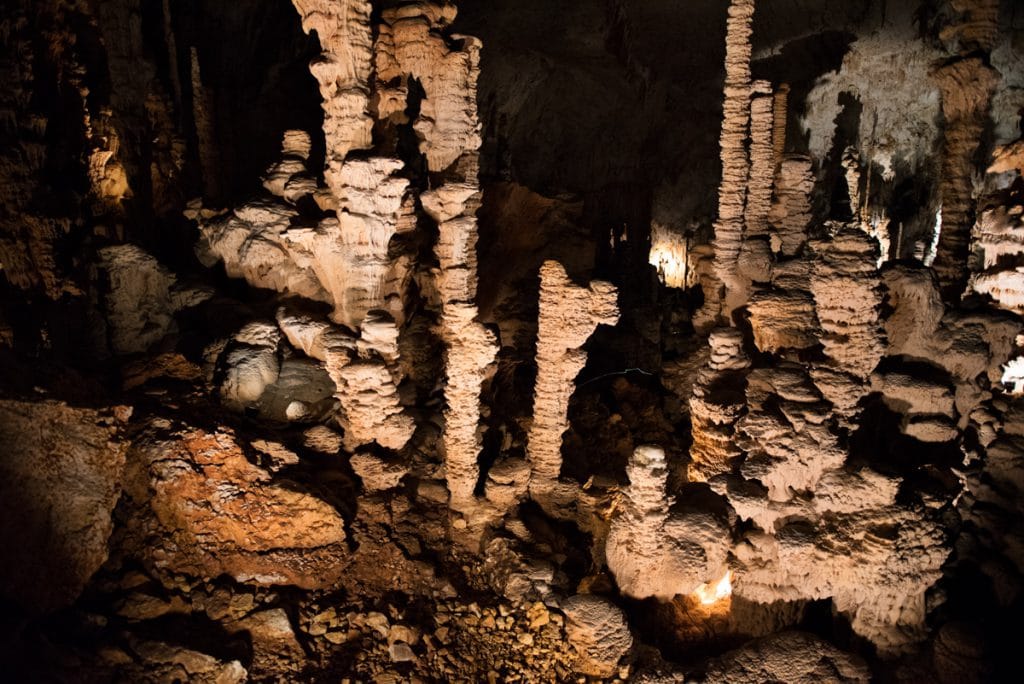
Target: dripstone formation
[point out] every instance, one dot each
(413, 340)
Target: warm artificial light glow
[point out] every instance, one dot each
(670, 260)
(709, 593)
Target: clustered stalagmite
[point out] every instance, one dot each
(325, 355)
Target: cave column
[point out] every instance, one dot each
(411, 46)
(966, 85)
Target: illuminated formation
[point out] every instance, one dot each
(569, 314)
(425, 340)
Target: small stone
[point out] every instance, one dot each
(409, 635)
(526, 639)
(401, 652)
(336, 637)
(378, 622)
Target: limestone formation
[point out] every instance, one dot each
(141, 298)
(410, 46)
(967, 87)
(199, 507)
(365, 373)
(735, 163)
(343, 71)
(569, 314)
(377, 473)
(716, 404)
(793, 657)
(395, 425)
(343, 261)
(780, 111)
(847, 296)
(597, 631)
(762, 160)
(999, 237)
(790, 213)
(652, 552)
(57, 494)
(783, 319)
(889, 74)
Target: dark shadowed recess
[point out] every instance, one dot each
(255, 57)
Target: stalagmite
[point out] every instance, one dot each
(716, 404)
(967, 87)
(410, 47)
(846, 292)
(790, 214)
(780, 112)
(762, 161)
(735, 164)
(652, 552)
(393, 417)
(569, 314)
(598, 632)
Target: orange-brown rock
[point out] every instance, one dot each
(200, 508)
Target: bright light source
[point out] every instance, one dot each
(670, 260)
(1013, 374)
(709, 593)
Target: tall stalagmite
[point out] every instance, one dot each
(569, 314)
(966, 84)
(411, 47)
(735, 163)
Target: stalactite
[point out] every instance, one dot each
(343, 71)
(409, 45)
(569, 314)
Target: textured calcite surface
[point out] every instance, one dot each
(437, 340)
(569, 314)
(652, 552)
